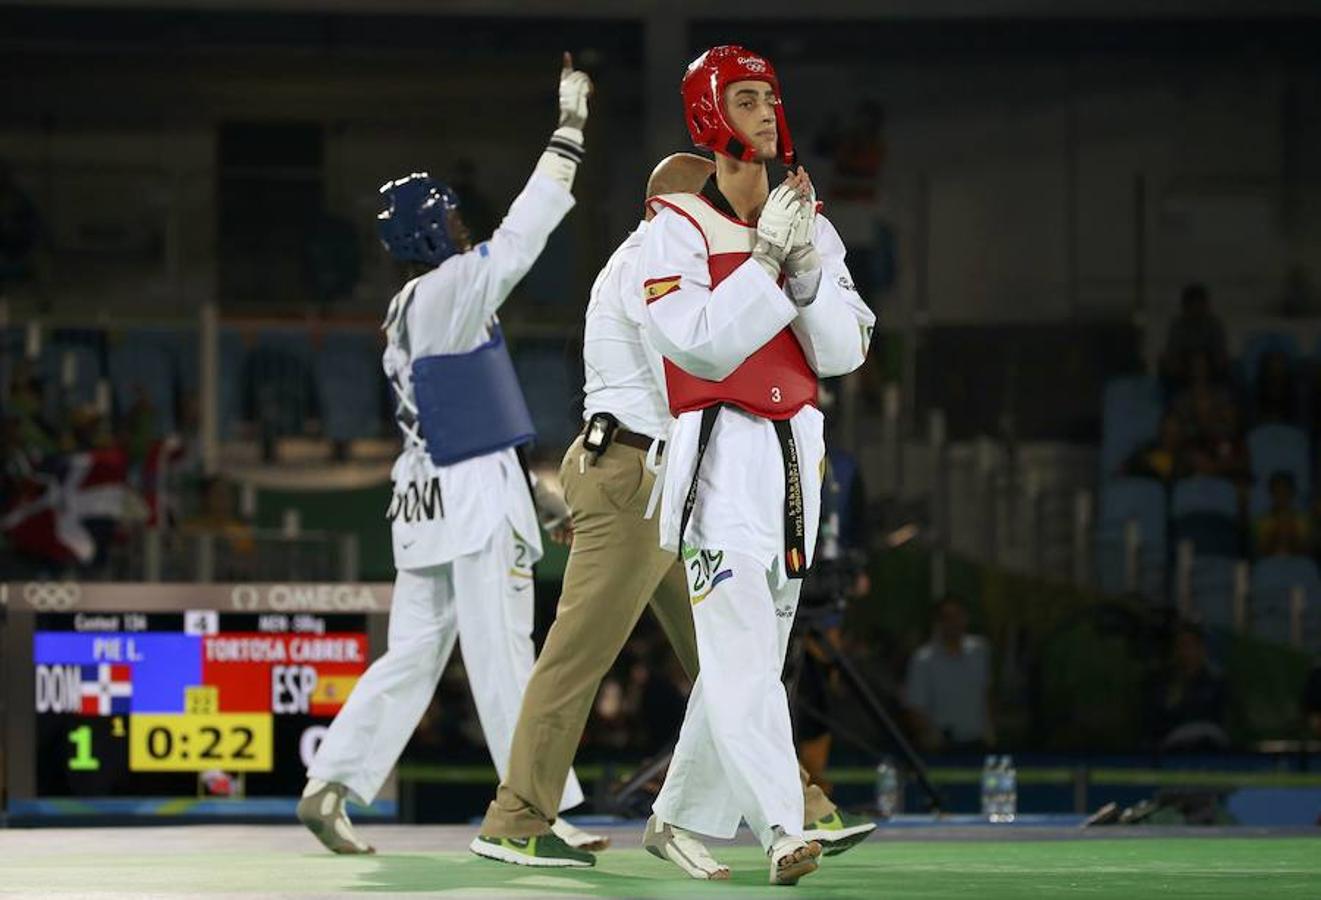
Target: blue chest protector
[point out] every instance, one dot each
(470, 404)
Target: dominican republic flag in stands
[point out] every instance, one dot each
(107, 689)
(56, 505)
(163, 457)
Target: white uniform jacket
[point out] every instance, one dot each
(439, 513)
(709, 333)
(624, 372)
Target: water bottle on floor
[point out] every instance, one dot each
(989, 785)
(887, 788)
(1008, 790)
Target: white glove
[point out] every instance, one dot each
(552, 512)
(805, 226)
(564, 153)
(775, 229)
(802, 264)
(575, 88)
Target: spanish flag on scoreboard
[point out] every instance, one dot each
(331, 691)
(655, 288)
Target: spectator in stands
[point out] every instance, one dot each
(1189, 698)
(87, 430)
(36, 436)
(1210, 423)
(136, 428)
(331, 262)
(216, 517)
(1195, 330)
(20, 229)
(1166, 458)
(949, 684)
(1276, 397)
(1312, 700)
(658, 696)
(1284, 530)
(857, 149)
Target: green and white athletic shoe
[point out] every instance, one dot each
(839, 831)
(545, 850)
(321, 809)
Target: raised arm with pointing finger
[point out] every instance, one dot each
(463, 527)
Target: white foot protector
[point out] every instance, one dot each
(322, 810)
(578, 839)
(684, 850)
(792, 858)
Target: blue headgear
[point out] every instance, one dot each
(413, 223)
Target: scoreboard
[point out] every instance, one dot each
(198, 691)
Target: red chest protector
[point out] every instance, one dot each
(775, 381)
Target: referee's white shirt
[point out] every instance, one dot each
(624, 373)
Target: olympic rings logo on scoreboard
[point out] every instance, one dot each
(52, 596)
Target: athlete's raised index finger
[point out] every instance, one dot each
(568, 61)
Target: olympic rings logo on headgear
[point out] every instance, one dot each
(752, 63)
(52, 596)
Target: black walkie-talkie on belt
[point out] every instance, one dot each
(600, 431)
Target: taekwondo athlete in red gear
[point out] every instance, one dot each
(464, 529)
(750, 302)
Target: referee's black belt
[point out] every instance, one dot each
(634, 439)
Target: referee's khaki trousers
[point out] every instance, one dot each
(615, 568)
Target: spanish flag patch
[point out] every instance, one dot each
(655, 288)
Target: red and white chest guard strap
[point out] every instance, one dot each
(774, 382)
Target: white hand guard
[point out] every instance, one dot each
(805, 224)
(802, 264)
(552, 511)
(564, 153)
(575, 88)
(775, 229)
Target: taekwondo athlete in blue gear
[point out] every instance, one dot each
(463, 525)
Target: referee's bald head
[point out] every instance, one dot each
(679, 173)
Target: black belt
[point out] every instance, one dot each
(637, 441)
(795, 522)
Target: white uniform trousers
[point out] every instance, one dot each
(484, 599)
(735, 758)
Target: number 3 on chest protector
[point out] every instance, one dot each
(775, 395)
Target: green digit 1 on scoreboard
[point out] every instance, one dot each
(82, 759)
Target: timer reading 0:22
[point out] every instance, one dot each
(237, 742)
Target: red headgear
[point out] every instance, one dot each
(704, 101)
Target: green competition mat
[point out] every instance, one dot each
(258, 861)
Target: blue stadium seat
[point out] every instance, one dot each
(86, 355)
(278, 388)
(1210, 533)
(1277, 448)
(1130, 417)
(1273, 580)
(1202, 494)
(1257, 345)
(1205, 511)
(349, 375)
(232, 354)
(1131, 499)
(1212, 583)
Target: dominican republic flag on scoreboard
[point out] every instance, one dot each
(107, 689)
